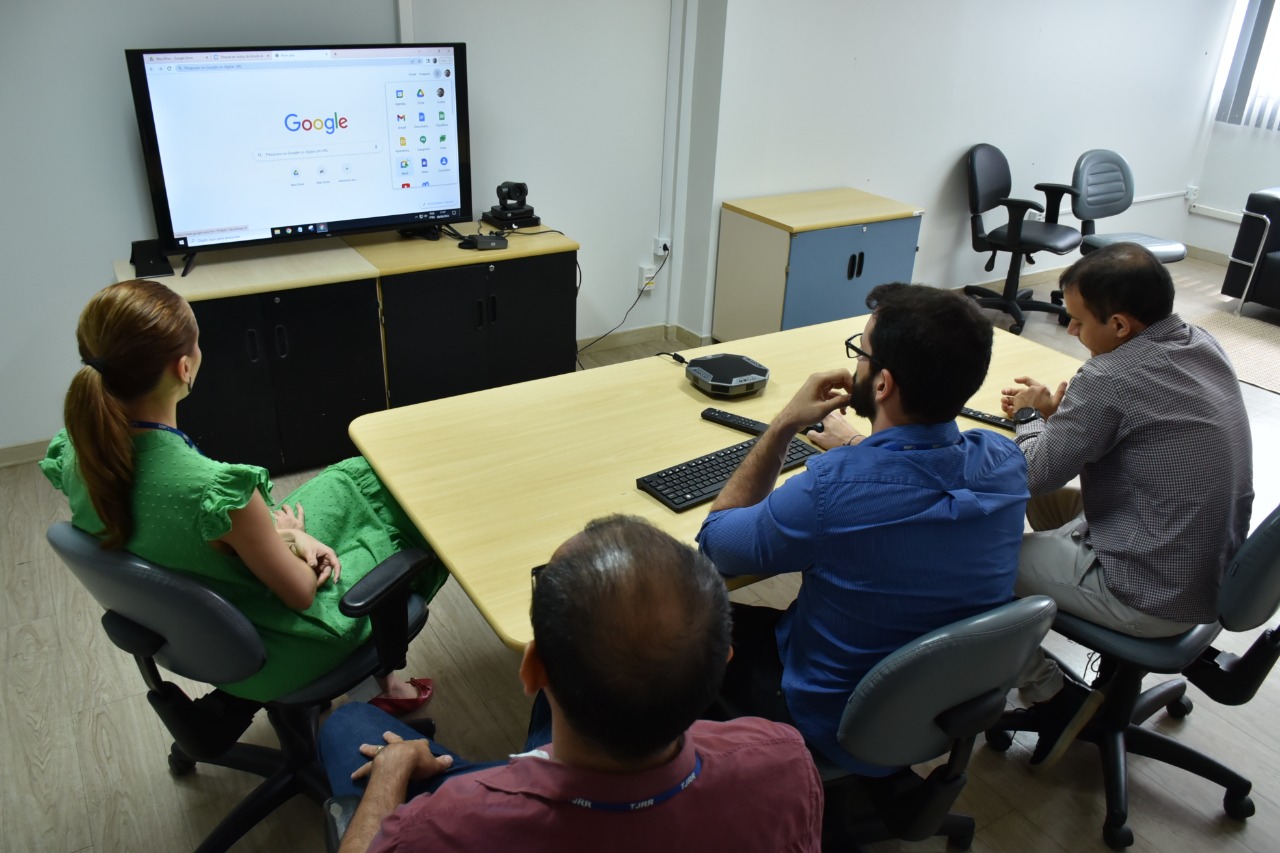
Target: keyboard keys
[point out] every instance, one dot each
(699, 480)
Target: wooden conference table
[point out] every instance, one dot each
(497, 479)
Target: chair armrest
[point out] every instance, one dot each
(1053, 194)
(338, 812)
(388, 580)
(1018, 208)
(383, 595)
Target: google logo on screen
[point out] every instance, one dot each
(327, 124)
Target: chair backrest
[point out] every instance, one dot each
(989, 178)
(1250, 590)
(1105, 184)
(205, 637)
(890, 717)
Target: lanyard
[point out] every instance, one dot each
(656, 799)
(179, 433)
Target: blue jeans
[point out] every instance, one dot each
(357, 723)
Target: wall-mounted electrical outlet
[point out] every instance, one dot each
(1193, 192)
(661, 245)
(646, 277)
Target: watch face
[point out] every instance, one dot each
(1025, 415)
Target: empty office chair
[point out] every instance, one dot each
(1253, 273)
(1248, 597)
(162, 617)
(989, 186)
(1104, 187)
(931, 697)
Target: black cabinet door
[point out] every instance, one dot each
(231, 413)
(326, 368)
(435, 333)
(531, 307)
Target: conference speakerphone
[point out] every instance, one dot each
(727, 375)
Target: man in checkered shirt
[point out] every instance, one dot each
(1155, 427)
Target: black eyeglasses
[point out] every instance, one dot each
(852, 350)
(533, 576)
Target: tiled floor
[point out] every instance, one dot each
(84, 757)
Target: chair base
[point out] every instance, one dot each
(853, 817)
(1014, 303)
(1117, 732)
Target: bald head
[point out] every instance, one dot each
(633, 630)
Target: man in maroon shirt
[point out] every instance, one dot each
(631, 636)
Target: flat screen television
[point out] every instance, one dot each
(255, 145)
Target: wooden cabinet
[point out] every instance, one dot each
(795, 260)
(294, 336)
(460, 329)
(284, 373)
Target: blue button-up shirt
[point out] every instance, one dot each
(914, 528)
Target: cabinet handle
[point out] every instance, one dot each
(282, 342)
(251, 345)
(853, 267)
(479, 313)
(861, 257)
(493, 308)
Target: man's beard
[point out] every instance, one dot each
(862, 399)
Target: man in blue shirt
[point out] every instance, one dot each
(897, 533)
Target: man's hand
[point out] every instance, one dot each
(1033, 394)
(836, 432)
(290, 518)
(412, 756)
(821, 394)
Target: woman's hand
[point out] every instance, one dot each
(319, 557)
(290, 518)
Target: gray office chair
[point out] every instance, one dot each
(1248, 596)
(162, 617)
(930, 697)
(1104, 187)
(989, 186)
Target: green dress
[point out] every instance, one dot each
(182, 501)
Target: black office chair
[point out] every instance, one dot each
(1104, 187)
(163, 617)
(989, 186)
(1248, 597)
(931, 697)
(1253, 272)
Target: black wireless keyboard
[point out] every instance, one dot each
(993, 420)
(699, 480)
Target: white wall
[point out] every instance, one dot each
(1240, 160)
(569, 97)
(888, 97)
(75, 194)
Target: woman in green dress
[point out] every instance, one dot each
(136, 481)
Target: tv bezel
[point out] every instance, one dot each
(134, 60)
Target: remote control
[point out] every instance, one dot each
(729, 419)
(993, 420)
(738, 422)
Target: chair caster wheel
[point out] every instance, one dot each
(1064, 320)
(960, 842)
(1117, 837)
(1056, 297)
(999, 739)
(1179, 708)
(1238, 808)
(1015, 329)
(181, 766)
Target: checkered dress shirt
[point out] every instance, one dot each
(1158, 433)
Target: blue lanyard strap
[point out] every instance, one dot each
(165, 427)
(656, 799)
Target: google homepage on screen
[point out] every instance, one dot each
(256, 144)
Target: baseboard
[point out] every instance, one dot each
(1034, 279)
(21, 454)
(1208, 255)
(644, 335)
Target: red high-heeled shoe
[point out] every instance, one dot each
(400, 707)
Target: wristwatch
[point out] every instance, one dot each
(1026, 415)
